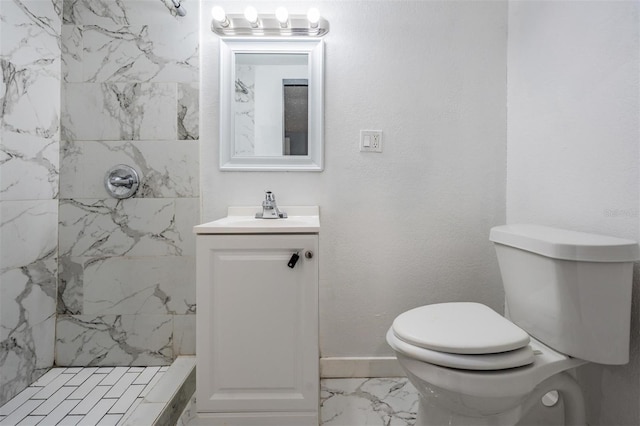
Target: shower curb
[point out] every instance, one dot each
(166, 401)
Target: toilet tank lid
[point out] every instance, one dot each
(564, 244)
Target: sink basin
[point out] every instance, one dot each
(241, 220)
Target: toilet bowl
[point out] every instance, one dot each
(492, 388)
(568, 297)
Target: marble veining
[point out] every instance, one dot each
(110, 244)
(28, 270)
(28, 232)
(132, 41)
(119, 111)
(184, 333)
(28, 166)
(29, 144)
(110, 227)
(71, 53)
(98, 74)
(70, 285)
(30, 58)
(28, 295)
(93, 340)
(188, 111)
(365, 402)
(166, 168)
(25, 354)
(139, 286)
(244, 107)
(139, 53)
(131, 71)
(355, 402)
(121, 12)
(189, 414)
(30, 106)
(76, 11)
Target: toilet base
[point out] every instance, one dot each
(437, 407)
(478, 412)
(432, 415)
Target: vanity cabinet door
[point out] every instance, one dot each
(257, 323)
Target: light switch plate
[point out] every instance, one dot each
(371, 140)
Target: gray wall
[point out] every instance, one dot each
(573, 147)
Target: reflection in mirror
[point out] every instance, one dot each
(270, 108)
(271, 105)
(296, 116)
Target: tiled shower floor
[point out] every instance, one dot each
(87, 396)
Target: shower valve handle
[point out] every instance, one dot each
(126, 181)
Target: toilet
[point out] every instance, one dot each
(568, 302)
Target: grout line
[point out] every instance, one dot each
(88, 396)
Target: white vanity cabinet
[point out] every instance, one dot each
(257, 321)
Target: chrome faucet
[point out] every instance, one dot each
(270, 209)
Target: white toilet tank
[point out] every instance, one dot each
(571, 290)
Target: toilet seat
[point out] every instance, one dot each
(459, 328)
(462, 335)
(502, 383)
(484, 362)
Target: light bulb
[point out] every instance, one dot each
(251, 15)
(282, 15)
(313, 16)
(218, 14)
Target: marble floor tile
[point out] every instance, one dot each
(365, 402)
(343, 402)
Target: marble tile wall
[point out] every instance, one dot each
(30, 32)
(244, 111)
(126, 288)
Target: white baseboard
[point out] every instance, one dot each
(352, 367)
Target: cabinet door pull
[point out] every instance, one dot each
(308, 254)
(293, 260)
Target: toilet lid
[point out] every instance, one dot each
(459, 328)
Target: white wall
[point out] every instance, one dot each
(269, 105)
(572, 162)
(409, 226)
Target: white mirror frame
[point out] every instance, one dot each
(228, 50)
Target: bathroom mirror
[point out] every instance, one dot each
(271, 104)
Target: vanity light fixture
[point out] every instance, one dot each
(218, 14)
(280, 24)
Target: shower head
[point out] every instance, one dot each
(180, 11)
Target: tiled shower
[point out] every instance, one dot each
(89, 280)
